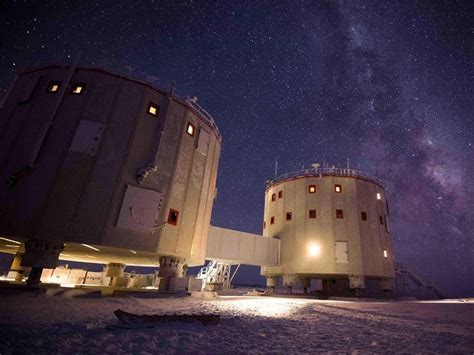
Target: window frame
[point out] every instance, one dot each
(274, 197)
(336, 187)
(339, 213)
(363, 216)
(76, 85)
(272, 220)
(280, 194)
(51, 84)
(157, 107)
(311, 213)
(193, 129)
(289, 216)
(173, 221)
(311, 187)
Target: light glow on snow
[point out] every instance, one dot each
(261, 306)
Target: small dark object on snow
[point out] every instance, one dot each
(149, 319)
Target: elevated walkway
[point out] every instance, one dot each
(234, 247)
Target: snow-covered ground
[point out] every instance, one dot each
(74, 322)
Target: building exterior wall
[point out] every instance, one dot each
(76, 189)
(366, 240)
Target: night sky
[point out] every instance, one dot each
(387, 85)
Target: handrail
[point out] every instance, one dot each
(325, 172)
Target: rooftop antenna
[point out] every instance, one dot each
(173, 87)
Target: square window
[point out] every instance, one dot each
(190, 130)
(280, 194)
(338, 188)
(381, 220)
(379, 196)
(77, 89)
(53, 87)
(272, 220)
(289, 216)
(274, 197)
(385, 253)
(173, 217)
(339, 214)
(153, 109)
(312, 189)
(312, 213)
(363, 216)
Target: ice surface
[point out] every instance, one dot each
(74, 322)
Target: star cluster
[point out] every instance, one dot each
(387, 85)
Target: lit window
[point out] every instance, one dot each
(289, 216)
(153, 109)
(363, 216)
(385, 253)
(173, 217)
(274, 197)
(312, 189)
(190, 130)
(379, 196)
(280, 194)
(381, 220)
(339, 214)
(53, 87)
(77, 89)
(272, 220)
(312, 213)
(338, 188)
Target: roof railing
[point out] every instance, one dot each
(325, 172)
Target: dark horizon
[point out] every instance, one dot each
(387, 86)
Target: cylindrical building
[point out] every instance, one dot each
(103, 160)
(333, 225)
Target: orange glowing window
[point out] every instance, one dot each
(339, 214)
(338, 188)
(312, 214)
(153, 109)
(272, 220)
(289, 216)
(53, 87)
(77, 89)
(312, 189)
(173, 217)
(191, 129)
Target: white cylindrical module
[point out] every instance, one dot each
(332, 223)
(100, 159)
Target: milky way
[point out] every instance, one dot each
(386, 85)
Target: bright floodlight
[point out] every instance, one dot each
(314, 250)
